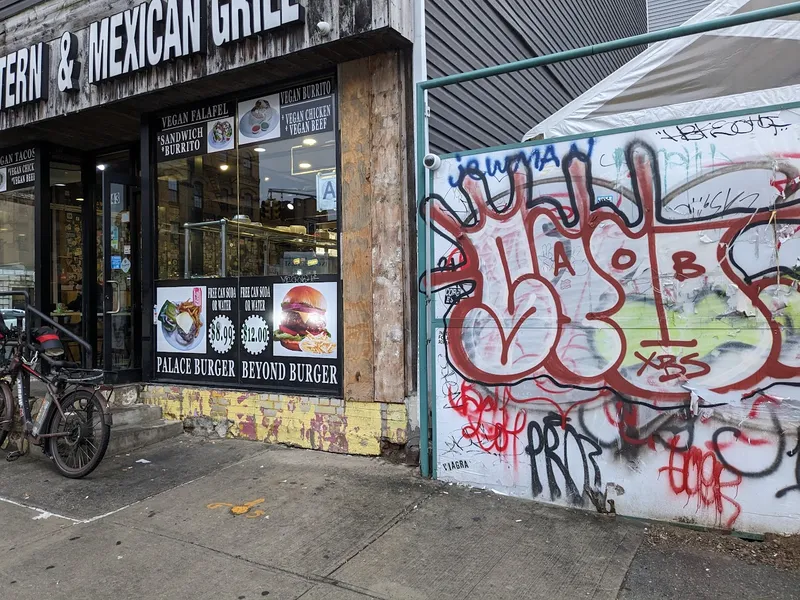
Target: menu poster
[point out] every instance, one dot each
(307, 109)
(202, 129)
(17, 169)
(259, 118)
(262, 333)
(290, 335)
(195, 338)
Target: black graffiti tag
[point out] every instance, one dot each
(791, 454)
(556, 443)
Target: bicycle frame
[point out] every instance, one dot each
(18, 373)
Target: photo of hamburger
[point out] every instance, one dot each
(303, 321)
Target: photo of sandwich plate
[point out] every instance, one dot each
(181, 324)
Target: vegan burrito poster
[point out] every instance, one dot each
(181, 321)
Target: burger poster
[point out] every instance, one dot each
(260, 333)
(305, 320)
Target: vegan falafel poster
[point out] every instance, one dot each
(266, 333)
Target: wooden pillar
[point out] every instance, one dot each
(375, 244)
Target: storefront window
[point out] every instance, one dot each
(196, 201)
(266, 208)
(17, 231)
(16, 243)
(66, 202)
(248, 287)
(66, 278)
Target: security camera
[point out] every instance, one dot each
(432, 162)
(324, 27)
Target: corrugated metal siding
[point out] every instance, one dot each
(469, 34)
(671, 13)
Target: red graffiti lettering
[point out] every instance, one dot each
(488, 421)
(561, 260)
(699, 475)
(674, 367)
(623, 259)
(685, 266)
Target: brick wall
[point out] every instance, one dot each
(330, 424)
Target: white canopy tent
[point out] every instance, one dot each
(750, 66)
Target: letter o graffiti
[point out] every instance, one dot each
(623, 259)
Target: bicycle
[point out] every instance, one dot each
(73, 425)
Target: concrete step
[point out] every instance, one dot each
(137, 414)
(131, 437)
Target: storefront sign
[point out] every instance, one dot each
(17, 169)
(234, 20)
(256, 332)
(24, 76)
(141, 37)
(145, 36)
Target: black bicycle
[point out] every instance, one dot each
(73, 424)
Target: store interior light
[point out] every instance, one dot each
(60, 184)
(260, 149)
(304, 165)
(266, 178)
(309, 142)
(78, 199)
(290, 206)
(101, 167)
(223, 167)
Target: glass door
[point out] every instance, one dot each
(120, 276)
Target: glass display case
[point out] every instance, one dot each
(239, 247)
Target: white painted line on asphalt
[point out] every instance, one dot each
(108, 514)
(43, 514)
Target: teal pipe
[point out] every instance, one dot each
(427, 467)
(422, 314)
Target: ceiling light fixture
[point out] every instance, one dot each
(266, 178)
(101, 167)
(223, 167)
(309, 142)
(290, 206)
(78, 199)
(304, 165)
(60, 184)
(260, 149)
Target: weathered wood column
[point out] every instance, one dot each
(376, 262)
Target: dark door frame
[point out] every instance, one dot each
(131, 185)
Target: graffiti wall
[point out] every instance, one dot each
(617, 322)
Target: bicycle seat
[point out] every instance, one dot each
(60, 364)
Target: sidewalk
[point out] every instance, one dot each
(236, 519)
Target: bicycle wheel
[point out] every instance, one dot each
(78, 453)
(6, 411)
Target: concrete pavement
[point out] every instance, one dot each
(236, 519)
